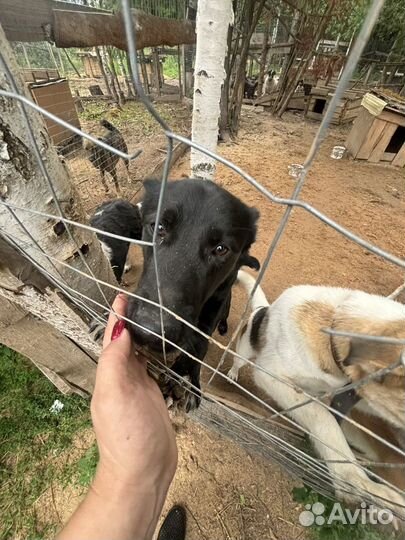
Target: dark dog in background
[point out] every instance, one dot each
(124, 219)
(250, 87)
(203, 237)
(103, 159)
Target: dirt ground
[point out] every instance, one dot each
(140, 131)
(230, 494)
(367, 199)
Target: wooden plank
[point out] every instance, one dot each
(372, 138)
(388, 116)
(64, 363)
(359, 132)
(55, 97)
(399, 160)
(388, 156)
(382, 143)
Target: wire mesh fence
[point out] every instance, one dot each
(299, 413)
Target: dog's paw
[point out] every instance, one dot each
(222, 327)
(233, 373)
(378, 495)
(179, 393)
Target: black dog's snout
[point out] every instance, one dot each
(147, 328)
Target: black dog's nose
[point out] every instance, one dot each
(148, 331)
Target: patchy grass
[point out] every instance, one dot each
(31, 441)
(135, 115)
(171, 67)
(337, 530)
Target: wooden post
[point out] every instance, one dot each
(52, 56)
(179, 70)
(146, 84)
(26, 56)
(29, 242)
(156, 68)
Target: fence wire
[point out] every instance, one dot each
(279, 441)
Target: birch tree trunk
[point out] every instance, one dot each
(213, 20)
(23, 184)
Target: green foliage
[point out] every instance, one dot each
(86, 466)
(31, 439)
(336, 530)
(171, 67)
(390, 27)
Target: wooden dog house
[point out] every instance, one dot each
(346, 110)
(54, 95)
(91, 64)
(378, 133)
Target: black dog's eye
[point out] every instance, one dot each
(220, 250)
(160, 229)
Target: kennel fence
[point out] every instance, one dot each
(78, 278)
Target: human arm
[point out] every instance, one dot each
(138, 454)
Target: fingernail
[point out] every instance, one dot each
(117, 330)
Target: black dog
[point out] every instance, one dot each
(204, 235)
(124, 219)
(104, 160)
(250, 87)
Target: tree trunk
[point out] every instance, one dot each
(263, 55)
(251, 18)
(109, 76)
(223, 122)
(146, 83)
(114, 77)
(127, 77)
(29, 237)
(288, 63)
(213, 20)
(156, 70)
(290, 89)
(103, 71)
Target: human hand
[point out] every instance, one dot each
(138, 453)
(134, 435)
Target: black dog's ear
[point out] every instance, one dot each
(255, 214)
(247, 260)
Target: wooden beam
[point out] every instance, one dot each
(65, 364)
(80, 29)
(73, 25)
(33, 24)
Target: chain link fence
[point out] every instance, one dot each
(276, 434)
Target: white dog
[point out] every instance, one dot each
(286, 339)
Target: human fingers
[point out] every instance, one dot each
(119, 309)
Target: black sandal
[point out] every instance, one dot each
(174, 525)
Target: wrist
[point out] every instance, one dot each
(140, 501)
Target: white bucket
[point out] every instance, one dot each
(337, 152)
(295, 170)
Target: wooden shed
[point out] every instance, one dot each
(378, 133)
(55, 96)
(91, 64)
(345, 112)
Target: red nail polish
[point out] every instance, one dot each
(117, 330)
